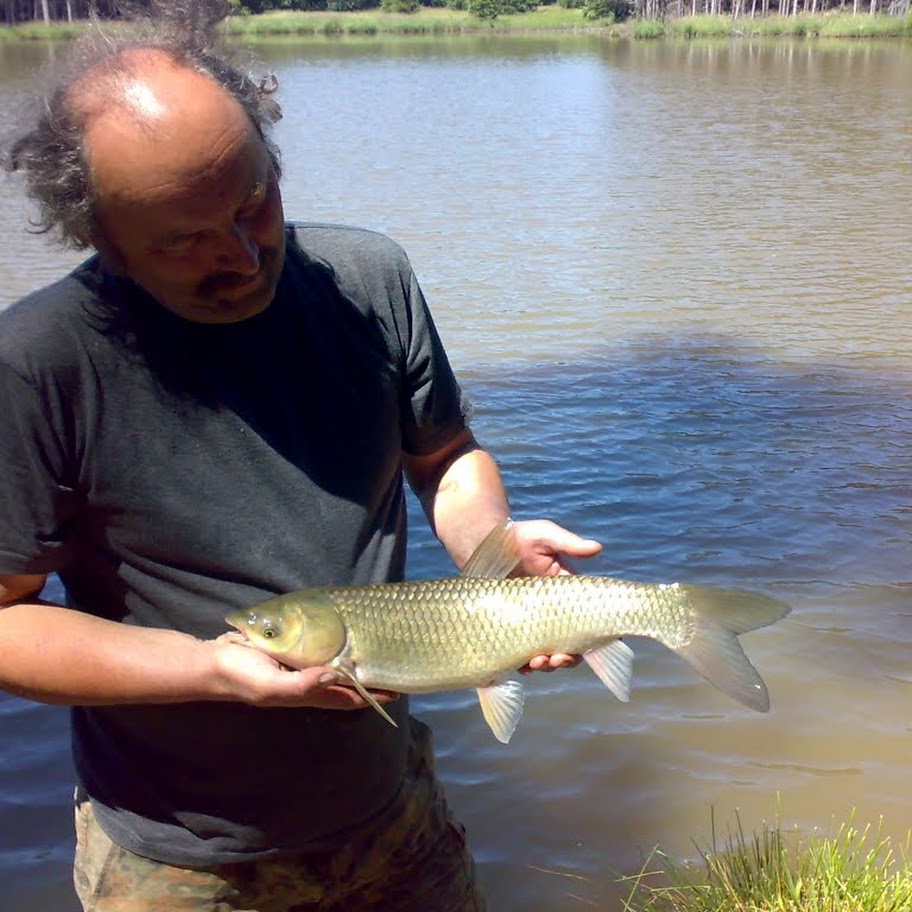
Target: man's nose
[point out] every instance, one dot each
(240, 251)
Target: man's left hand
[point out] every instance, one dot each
(544, 550)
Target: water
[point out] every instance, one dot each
(675, 279)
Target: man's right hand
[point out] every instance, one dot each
(256, 678)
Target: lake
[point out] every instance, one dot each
(676, 280)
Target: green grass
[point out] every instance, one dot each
(848, 26)
(647, 29)
(857, 870)
(38, 31)
(440, 21)
(553, 18)
(829, 25)
(427, 21)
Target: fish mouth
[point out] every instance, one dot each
(238, 622)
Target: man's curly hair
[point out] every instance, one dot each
(51, 155)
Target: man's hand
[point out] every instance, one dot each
(253, 677)
(544, 551)
(544, 548)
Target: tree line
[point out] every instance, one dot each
(16, 11)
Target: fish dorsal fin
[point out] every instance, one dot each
(613, 663)
(497, 555)
(502, 706)
(349, 674)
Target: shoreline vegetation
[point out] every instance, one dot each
(439, 21)
(857, 870)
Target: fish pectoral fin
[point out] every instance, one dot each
(613, 663)
(497, 556)
(350, 675)
(502, 707)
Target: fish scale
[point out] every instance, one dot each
(462, 628)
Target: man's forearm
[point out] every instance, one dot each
(56, 655)
(470, 500)
(53, 654)
(462, 494)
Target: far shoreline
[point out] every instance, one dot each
(444, 22)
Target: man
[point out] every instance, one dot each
(216, 408)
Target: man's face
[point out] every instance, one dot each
(188, 204)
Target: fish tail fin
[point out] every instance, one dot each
(713, 649)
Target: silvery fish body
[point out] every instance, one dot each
(419, 637)
(474, 630)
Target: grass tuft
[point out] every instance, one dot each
(648, 29)
(857, 870)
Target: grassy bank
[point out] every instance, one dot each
(857, 870)
(826, 25)
(427, 21)
(440, 21)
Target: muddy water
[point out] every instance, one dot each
(675, 279)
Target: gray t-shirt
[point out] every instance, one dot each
(169, 471)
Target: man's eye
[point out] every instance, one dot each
(181, 244)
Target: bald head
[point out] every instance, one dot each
(185, 191)
(152, 124)
(140, 86)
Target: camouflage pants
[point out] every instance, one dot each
(417, 863)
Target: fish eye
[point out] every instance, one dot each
(270, 632)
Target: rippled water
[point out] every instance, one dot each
(676, 281)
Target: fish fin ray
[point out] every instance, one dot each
(613, 664)
(350, 676)
(713, 649)
(502, 707)
(497, 556)
(738, 611)
(717, 655)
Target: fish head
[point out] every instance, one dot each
(301, 629)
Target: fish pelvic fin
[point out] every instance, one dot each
(713, 649)
(497, 556)
(613, 663)
(502, 707)
(349, 675)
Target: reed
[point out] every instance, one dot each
(427, 21)
(647, 29)
(849, 26)
(552, 18)
(857, 870)
(829, 25)
(38, 31)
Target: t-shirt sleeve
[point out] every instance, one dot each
(35, 503)
(434, 407)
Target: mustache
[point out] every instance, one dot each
(227, 281)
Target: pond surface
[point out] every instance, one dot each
(676, 281)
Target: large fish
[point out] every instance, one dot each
(476, 629)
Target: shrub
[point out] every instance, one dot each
(484, 9)
(347, 6)
(616, 10)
